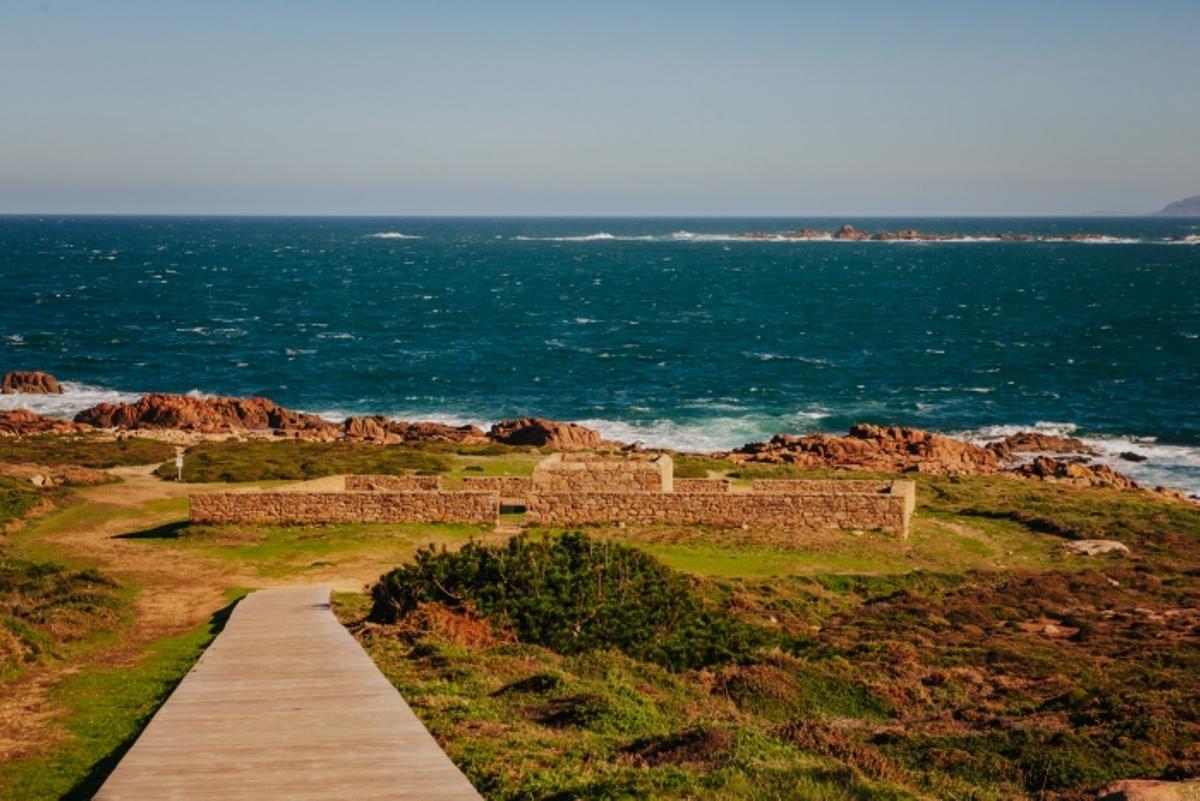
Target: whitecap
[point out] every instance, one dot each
(391, 235)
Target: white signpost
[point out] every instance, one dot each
(179, 466)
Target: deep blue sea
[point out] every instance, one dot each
(672, 331)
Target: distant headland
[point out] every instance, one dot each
(1188, 207)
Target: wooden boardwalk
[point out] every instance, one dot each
(285, 705)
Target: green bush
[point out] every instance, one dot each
(573, 594)
(296, 460)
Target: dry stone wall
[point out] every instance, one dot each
(587, 473)
(305, 508)
(809, 512)
(702, 485)
(386, 483)
(504, 485)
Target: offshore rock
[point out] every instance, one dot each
(545, 433)
(32, 382)
(849, 232)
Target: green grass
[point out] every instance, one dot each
(298, 460)
(17, 497)
(295, 550)
(106, 708)
(87, 450)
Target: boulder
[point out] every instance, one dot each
(1075, 473)
(33, 382)
(1151, 790)
(545, 433)
(1095, 547)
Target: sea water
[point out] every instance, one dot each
(676, 332)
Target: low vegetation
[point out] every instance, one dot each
(572, 594)
(45, 607)
(297, 460)
(84, 450)
(17, 498)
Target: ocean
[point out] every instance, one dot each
(676, 332)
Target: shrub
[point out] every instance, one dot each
(572, 594)
(16, 498)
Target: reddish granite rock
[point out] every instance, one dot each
(545, 433)
(216, 415)
(20, 423)
(1033, 442)
(1075, 473)
(380, 429)
(849, 232)
(33, 382)
(869, 447)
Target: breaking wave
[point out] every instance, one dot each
(391, 235)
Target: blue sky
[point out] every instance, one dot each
(598, 108)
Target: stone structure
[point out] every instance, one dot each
(572, 490)
(305, 508)
(506, 486)
(384, 483)
(589, 473)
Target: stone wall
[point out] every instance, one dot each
(506, 486)
(589, 473)
(809, 512)
(702, 485)
(903, 489)
(305, 508)
(385, 483)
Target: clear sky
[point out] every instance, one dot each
(787, 108)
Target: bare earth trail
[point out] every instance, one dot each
(285, 704)
(178, 590)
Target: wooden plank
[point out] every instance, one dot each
(285, 705)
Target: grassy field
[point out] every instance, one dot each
(84, 450)
(975, 660)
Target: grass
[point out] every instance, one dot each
(17, 498)
(297, 460)
(296, 550)
(44, 608)
(107, 707)
(85, 450)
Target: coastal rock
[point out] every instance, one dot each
(849, 232)
(1150, 790)
(1033, 442)
(1130, 456)
(1075, 473)
(32, 382)
(381, 429)
(905, 234)
(870, 447)
(545, 433)
(215, 415)
(21, 423)
(1095, 547)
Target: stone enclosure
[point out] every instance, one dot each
(580, 489)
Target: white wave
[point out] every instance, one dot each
(597, 237)
(1176, 466)
(74, 399)
(391, 235)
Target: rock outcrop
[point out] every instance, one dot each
(382, 429)
(31, 382)
(21, 423)
(870, 447)
(849, 232)
(1033, 442)
(215, 415)
(545, 433)
(1074, 473)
